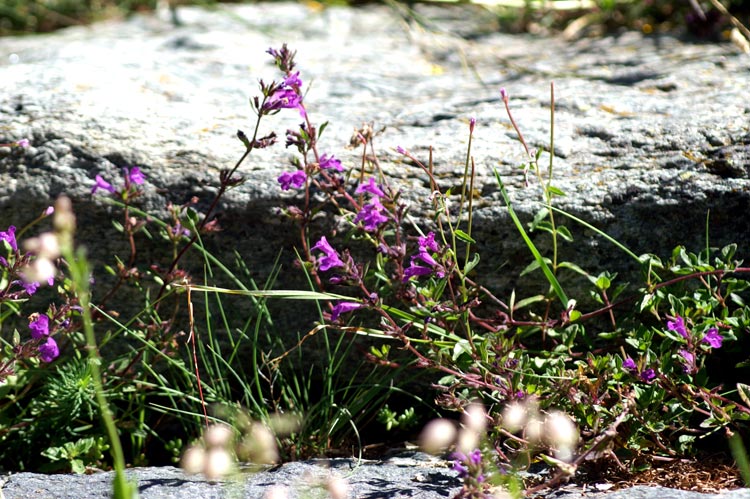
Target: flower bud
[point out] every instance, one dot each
(475, 418)
(337, 487)
(561, 433)
(218, 435)
(259, 446)
(218, 463)
(437, 436)
(514, 417)
(276, 492)
(193, 460)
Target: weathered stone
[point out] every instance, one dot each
(403, 475)
(651, 132)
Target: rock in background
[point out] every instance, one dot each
(651, 132)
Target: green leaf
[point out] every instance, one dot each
(463, 236)
(744, 391)
(563, 232)
(555, 191)
(574, 267)
(603, 283)
(540, 216)
(530, 268)
(528, 301)
(461, 347)
(321, 129)
(473, 263)
(534, 251)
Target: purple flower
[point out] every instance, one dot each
(472, 124)
(648, 375)
(284, 98)
(102, 184)
(331, 258)
(23, 143)
(401, 150)
(293, 80)
(49, 351)
(428, 242)
(39, 326)
(135, 175)
(504, 94)
(9, 236)
(629, 364)
(678, 325)
(330, 162)
(415, 270)
(29, 287)
(370, 187)
(459, 458)
(689, 358)
(371, 215)
(296, 180)
(713, 338)
(426, 258)
(344, 307)
(475, 457)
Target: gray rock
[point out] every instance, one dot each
(403, 475)
(648, 129)
(651, 133)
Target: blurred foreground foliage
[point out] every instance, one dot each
(698, 17)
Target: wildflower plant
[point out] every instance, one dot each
(628, 378)
(625, 372)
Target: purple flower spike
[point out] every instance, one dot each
(713, 338)
(135, 175)
(415, 270)
(344, 307)
(678, 326)
(293, 80)
(296, 180)
(370, 187)
(428, 242)
(49, 351)
(371, 215)
(331, 258)
(629, 364)
(327, 162)
(476, 456)
(39, 327)
(102, 184)
(9, 236)
(30, 287)
(648, 375)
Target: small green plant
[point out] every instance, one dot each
(77, 456)
(392, 420)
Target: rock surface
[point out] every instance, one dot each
(651, 132)
(406, 475)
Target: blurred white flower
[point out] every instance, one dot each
(437, 436)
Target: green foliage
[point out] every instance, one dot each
(392, 420)
(76, 456)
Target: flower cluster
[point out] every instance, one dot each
(48, 349)
(646, 375)
(423, 263)
(133, 177)
(711, 339)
